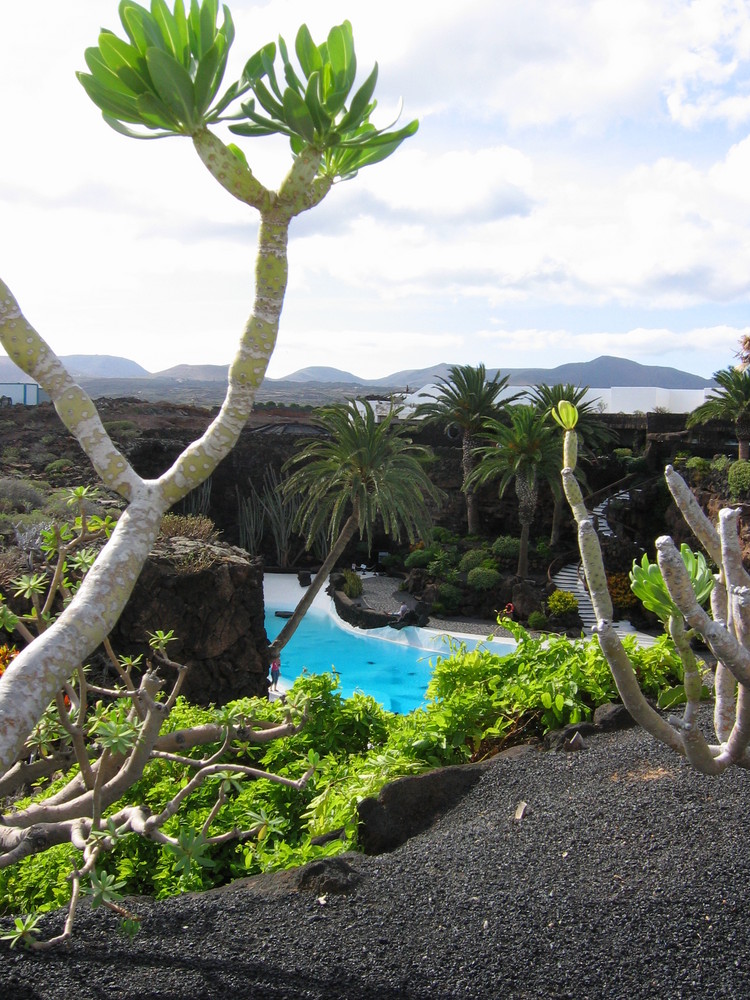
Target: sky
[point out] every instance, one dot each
(579, 186)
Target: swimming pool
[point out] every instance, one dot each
(391, 665)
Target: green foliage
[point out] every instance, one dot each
(473, 558)
(450, 597)
(506, 549)
(352, 584)
(476, 700)
(483, 578)
(739, 480)
(443, 563)
(561, 603)
(419, 558)
(362, 467)
(537, 621)
(647, 583)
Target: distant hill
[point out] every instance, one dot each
(195, 373)
(86, 365)
(320, 374)
(203, 385)
(605, 372)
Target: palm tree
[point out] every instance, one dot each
(359, 470)
(593, 434)
(731, 401)
(466, 399)
(523, 451)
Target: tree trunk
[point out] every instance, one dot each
(558, 513)
(743, 449)
(292, 624)
(467, 463)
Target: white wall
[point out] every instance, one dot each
(21, 392)
(618, 399)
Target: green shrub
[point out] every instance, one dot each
(473, 558)
(739, 480)
(699, 468)
(19, 495)
(444, 536)
(419, 559)
(543, 551)
(392, 562)
(622, 453)
(721, 463)
(442, 563)
(352, 584)
(483, 578)
(506, 548)
(561, 603)
(450, 597)
(537, 621)
(59, 465)
(122, 430)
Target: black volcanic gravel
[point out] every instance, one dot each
(627, 878)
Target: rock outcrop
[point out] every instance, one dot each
(211, 595)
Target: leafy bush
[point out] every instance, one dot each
(476, 702)
(473, 558)
(352, 584)
(620, 592)
(506, 548)
(419, 559)
(442, 563)
(561, 603)
(537, 621)
(483, 578)
(543, 551)
(19, 495)
(721, 463)
(392, 562)
(739, 480)
(450, 597)
(444, 536)
(698, 468)
(622, 453)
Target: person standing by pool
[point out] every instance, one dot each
(275, 671)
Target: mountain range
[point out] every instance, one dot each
(106, 375)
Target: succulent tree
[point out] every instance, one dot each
(362, 470)
(164, 78)
(594, 433)
(726, 629)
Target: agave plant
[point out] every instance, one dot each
(649, 587)
(166, 78)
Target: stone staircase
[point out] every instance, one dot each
(570, 578)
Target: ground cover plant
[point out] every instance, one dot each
(477, 702)
(163, 77)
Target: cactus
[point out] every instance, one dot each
(726, 630)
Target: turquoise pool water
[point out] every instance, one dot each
(392, 669)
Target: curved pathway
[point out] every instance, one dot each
(570, 578)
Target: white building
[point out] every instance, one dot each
(618, 399)
(27, 393)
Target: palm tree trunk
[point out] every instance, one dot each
(522, 570)
(743, 449)
(558, 513)
(467, 463)
(347, 533)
